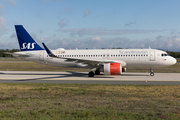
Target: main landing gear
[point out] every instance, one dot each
(151, 72)
(91, 73)
(97, 72)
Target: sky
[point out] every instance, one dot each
(93, 24)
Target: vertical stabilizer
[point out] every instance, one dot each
(26, 42)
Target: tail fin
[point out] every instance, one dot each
(26, 42)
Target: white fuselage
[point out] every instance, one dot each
(132, 57)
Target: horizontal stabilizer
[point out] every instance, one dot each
(18, 54)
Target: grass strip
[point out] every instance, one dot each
(87, 101)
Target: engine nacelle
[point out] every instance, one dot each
(112, 69)
(123, 69)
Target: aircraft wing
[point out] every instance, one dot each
(83, 60)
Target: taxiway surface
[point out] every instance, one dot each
(82, 78)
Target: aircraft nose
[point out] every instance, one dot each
(173, 61)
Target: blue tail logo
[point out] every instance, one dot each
(26, 42)
(28, 46)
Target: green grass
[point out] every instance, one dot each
(83, 101)
(32, 66)
(10, 59)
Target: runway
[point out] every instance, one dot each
(82, 78)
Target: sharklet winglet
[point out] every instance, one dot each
(48, 51)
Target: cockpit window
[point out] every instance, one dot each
(164, 54)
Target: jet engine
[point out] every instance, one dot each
(123, 69)
(112, 69)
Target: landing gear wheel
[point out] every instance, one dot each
(91, 74)
(151, 73)
(97, 72)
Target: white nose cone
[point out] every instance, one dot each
(169, 61)
(173, 61)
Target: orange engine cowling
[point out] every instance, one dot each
(113, 69)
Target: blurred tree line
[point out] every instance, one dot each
(174, 54)
(2, 54)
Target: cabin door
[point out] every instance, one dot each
(152, 55)
(41, 56)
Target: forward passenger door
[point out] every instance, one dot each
(152, 55)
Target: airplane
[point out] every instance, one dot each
(109, 61)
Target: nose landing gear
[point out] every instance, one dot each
(151, 72)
